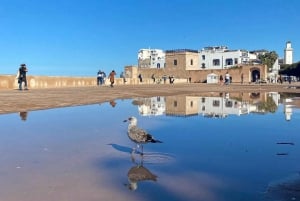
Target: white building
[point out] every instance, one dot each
(152, 106)
(220, 57)
(151, 58)
(220, 107)
(288, 53)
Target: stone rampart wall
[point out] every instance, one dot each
(10, 81)
(36, 82)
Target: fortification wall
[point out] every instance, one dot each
(10, 81)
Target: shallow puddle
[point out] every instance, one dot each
(217, 146)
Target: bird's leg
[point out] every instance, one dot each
(142, 148)
(137, 148)
(132, 155)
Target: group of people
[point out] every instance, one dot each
(228, 79)
(158, 80)
(101, 76)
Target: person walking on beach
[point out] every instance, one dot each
(22, 76)
(227, 78)
(99, 77)
(242, 78)
(221, 80)
(153, 78)
(140, 77)
(112, 75)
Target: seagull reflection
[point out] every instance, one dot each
(139, 173)
(138, 135)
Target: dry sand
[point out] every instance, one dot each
(37, 99)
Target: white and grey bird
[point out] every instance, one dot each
(137, 134)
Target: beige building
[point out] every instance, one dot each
(184, 64)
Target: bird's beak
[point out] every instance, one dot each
(125, 120)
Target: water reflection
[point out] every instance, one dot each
(139, 173)
(216, 105)
(234, 157)
(284, 189)
(113, 103)
(23, 115)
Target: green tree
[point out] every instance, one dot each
(292, 69)
(268, 58)
(268, 106)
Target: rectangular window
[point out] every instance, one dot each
(191, 103)
(203, 57)
(175, 103)
(175, 62)
(192, 62)
(216, 103)
(229, 62)
(228, 104)
(216, 62)
(236, 61)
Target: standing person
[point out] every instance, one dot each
(221, 80)
(165, 79)
(227, 78)
(242, 78)
(123, 75)
(22, 76)
(153, 78)
(103, 77)
(111, 76)
(99, 76)
(140, 77)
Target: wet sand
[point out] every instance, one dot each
(38, 99)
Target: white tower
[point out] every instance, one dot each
(288, 53)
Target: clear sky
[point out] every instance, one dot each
(76, 37)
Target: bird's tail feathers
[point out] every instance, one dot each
(155, 141)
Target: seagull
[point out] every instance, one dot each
(137, 134)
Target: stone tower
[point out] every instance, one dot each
(288, 53)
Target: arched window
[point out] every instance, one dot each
(158, 65)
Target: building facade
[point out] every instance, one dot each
(151, 58)
(182, 59)
(220, 57)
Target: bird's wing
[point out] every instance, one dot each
(137, 134)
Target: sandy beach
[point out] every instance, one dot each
(38, 99)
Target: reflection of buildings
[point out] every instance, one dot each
(182, 105)
(218, 105)
(151, 106)
(289, 104)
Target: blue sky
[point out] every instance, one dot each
(64, 37)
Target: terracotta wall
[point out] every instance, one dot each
(198, 75)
